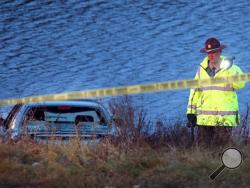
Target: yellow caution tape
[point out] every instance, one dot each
(128, 90)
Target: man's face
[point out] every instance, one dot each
(214, 56)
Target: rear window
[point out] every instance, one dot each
(64, 122)
(66, 114)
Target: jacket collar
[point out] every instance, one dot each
(204, 63)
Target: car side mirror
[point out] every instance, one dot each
(2, 128)
(2, 121)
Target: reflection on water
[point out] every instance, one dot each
(59, 46)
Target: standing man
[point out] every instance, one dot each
(214, 108)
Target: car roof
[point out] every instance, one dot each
(81, 102)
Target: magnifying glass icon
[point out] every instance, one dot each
(231, 158)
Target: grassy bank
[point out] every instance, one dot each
(107, 165)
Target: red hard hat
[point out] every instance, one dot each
(212, 44)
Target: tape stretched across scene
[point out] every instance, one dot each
(129, 90)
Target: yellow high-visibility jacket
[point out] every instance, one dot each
(217, 104)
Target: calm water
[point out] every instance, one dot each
(60, 46)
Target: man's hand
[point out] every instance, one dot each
(192, 120)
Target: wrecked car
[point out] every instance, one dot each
(59, 121)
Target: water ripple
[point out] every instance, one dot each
(59, 46)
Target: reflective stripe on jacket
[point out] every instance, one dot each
(216, 104)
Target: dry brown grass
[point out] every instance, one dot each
(25, 164)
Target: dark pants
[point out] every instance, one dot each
(213, 135)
